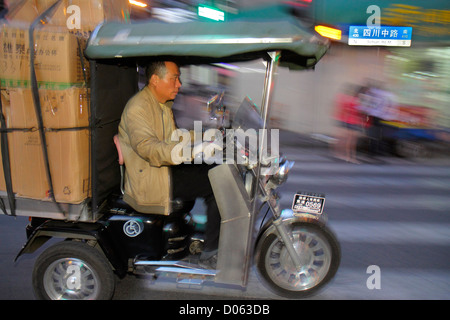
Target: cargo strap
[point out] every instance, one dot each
(37, 103)
(6, 166)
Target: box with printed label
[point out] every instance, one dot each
(68, 149)
(58, 63)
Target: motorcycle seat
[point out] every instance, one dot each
(178, 205)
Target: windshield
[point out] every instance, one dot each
(251, 139)
(247, 116)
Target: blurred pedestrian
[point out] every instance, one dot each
(378, 105)
(350, 124)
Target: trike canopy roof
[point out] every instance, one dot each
(239, 39)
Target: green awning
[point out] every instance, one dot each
(199, 41)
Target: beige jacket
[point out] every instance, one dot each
(145, 135)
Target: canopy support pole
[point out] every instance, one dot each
(272, 65)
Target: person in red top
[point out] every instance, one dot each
(350, 124)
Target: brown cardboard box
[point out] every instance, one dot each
(82, 16)
(68, 151)
(58, 66)
(69, 158)
(65, 108)
(60, 108)
(22, 11)
(57, 59)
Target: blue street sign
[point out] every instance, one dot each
(379, 36)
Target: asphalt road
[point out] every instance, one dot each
(390, 215)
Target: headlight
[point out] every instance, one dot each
(280, 176)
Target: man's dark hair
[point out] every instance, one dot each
(157, 67)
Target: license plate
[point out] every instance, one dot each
(308, 203)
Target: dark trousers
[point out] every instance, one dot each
(374, 133)
(190, 181)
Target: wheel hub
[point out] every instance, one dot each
(70, 278)
(314, 254)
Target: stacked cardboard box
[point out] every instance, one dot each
(65, 117)
(58, 59)
(82, 16)
(63, 94)
(76, 16)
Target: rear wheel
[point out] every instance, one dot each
(319, 255)
(73, 270)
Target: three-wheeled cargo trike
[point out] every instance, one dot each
(294, 252)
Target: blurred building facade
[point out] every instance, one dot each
(418, 76)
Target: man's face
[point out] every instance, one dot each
(166, 88)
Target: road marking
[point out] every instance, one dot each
(392, 232)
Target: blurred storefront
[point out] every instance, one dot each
(418, 76)
(421, 77)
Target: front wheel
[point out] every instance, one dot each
(319, 254)
(72, 270)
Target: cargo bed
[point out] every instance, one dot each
(48, 209)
